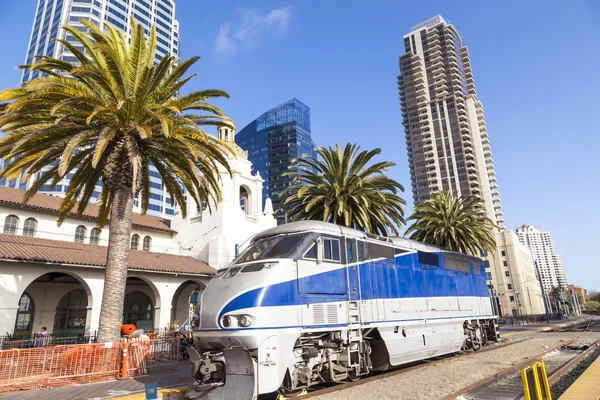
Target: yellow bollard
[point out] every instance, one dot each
(535, 382)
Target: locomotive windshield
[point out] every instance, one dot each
(273, 247)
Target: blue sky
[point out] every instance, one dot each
(535, 66)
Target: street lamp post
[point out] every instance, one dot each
(519, 306)
(544, 295)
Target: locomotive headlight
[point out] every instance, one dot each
(244, 321)
(226, 321)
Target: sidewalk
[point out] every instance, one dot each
(507, 331)
(165, 377)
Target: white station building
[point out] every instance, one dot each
(53, 276)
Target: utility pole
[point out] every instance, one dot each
(544, 295)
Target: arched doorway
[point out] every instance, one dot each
(25, 313)
(140, 304)
(59, 301)
(185, 302)
(138, 310)
(71, 314)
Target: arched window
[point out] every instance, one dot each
(71, 314)
(30, 227)
(11, 223)
(244, 200)
(135, 242)
(147, 243)
(80, 234)
(24, 322)
(138, 307)
(95, 236)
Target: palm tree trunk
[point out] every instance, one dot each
(111, 313)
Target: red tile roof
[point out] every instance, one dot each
(52, 204)
(33, 249)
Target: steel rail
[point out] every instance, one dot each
(400, 370)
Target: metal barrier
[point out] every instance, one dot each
(527, 319)
(535, 382)
(144, 354)
(36, 340)
(24, 369)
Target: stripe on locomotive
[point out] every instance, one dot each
(376, 282)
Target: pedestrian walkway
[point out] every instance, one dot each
(587, 386)
(164, 377)
(507, 331)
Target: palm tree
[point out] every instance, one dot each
(108, 118)
(344, 190)
(452, 223)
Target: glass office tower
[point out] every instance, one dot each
(272, 141)
(52, 14)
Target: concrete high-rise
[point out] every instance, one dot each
(550, 264)
(272, 141)
(446, 135)
(52, 14)
(512, 277)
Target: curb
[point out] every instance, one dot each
(173, 393)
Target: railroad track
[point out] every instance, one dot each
(507, 384)
(322, 390)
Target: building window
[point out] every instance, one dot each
(147, 243)
(510, 286)
(95, 236)
(71, 314)
(135, 242)
(506, 273)
(505, 263)
(11, 223)
(80, 234)
(30, 227)
(512, 299)
(503, 253)
(24, 322)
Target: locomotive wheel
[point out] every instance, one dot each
(290, 394)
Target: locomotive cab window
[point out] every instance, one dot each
(331, 250)
(271, 247)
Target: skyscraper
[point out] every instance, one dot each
(272, 141)
(550, 264)
(446, 136)
(52, 14)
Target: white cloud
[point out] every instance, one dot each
(254, 27)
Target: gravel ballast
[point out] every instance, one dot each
(441, 378)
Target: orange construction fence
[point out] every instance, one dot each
(43, 367)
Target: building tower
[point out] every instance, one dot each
(446, 137)
(52, 14)
(272, 141)
(550, 264)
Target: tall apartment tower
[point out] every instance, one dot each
(550, 264)
(52, 14)
(446, 136)
(272, 141)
